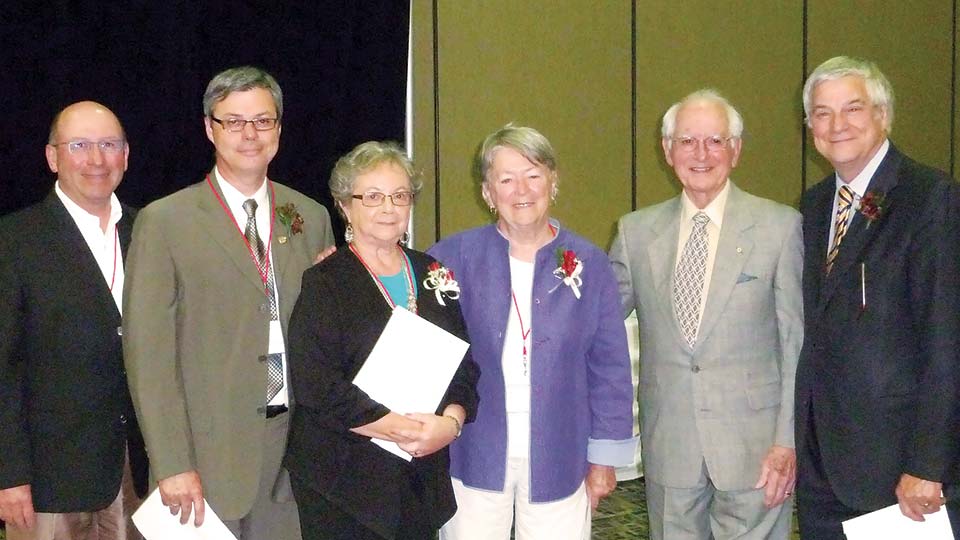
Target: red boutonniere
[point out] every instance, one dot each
(569, 268)
(291, 219)
(872, 206)
(440, 280)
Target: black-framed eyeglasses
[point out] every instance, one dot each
(83, 146)
(237, 124)
(376, 198)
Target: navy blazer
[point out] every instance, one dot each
(65, 411)
(881, 378)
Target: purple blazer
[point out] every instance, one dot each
(581, 407)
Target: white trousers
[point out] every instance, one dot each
(488, 515)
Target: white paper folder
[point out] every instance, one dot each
(890, 524)
(155, 522)
(410, 367)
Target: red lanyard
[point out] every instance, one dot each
(265, 270)
(116, 240)
(523, 333)
(411, 299)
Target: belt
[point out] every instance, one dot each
(276, 410)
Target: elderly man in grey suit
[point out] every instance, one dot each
(714, 275)
(214, 271)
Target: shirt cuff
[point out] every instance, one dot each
(613, 453)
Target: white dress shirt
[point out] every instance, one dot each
(234, 201)
(104, 245)
(714, 211)
(859, 186)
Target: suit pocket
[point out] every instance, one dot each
(764, 397)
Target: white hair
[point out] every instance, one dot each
(879, 89)
(709, 95)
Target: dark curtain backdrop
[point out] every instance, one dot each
(341, 64)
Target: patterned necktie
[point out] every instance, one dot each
(688, 285)
(844, 205)
(274, 361)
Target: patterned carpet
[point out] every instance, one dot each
(623, 515)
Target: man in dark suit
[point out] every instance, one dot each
(878, 381)
(214, 273)
(66, 420)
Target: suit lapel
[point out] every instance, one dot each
(215, 220)
(662, 254)
(282, 252)
(72, 251)
(733, 249)
(817, 220)
(859, 235)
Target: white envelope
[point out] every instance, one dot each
(890, 524)
(410, 367)
(155, 522)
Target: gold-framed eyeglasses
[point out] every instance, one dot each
(376, 198)
(237, 124)
(83, 146)
(690, 144)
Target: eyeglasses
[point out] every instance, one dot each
(376, 198)
(83, 146)
(711, 143)
(237, 124)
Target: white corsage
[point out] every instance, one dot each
(440, 280)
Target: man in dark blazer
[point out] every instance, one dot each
(214, 273)
(66, 420)
(878, 383)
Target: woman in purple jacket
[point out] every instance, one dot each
(545, 325)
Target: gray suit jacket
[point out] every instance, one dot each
(195, 332)
(728, 399)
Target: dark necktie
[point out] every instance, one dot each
(844, 205)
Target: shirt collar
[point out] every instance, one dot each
(714, 210)
(85, 219)
(860, 182)
(235, 199)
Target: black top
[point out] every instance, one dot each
(335, 324)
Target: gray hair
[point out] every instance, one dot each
(241, 79)
(879, 89)
(734, 120)
(525, 140)
(364, 158)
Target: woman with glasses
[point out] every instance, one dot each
(546, 328)
(345, 486)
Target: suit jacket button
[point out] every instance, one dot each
(263, 308)
(262, 411)
(119, 330)
(695, 369)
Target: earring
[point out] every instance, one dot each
(405, 239)
(553, 194)
(348, 233)
(493, 209)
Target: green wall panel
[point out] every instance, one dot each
(912, 42)
(752, 53)
(563, 68)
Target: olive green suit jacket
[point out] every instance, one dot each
(195, 332)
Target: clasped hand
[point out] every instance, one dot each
(432, 433)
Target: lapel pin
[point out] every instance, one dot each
(282, 239)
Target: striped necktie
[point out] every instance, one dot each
(844, 205)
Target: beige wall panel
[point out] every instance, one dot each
(561, 67)
(912, 43)
(424, 141)
(751, 52)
